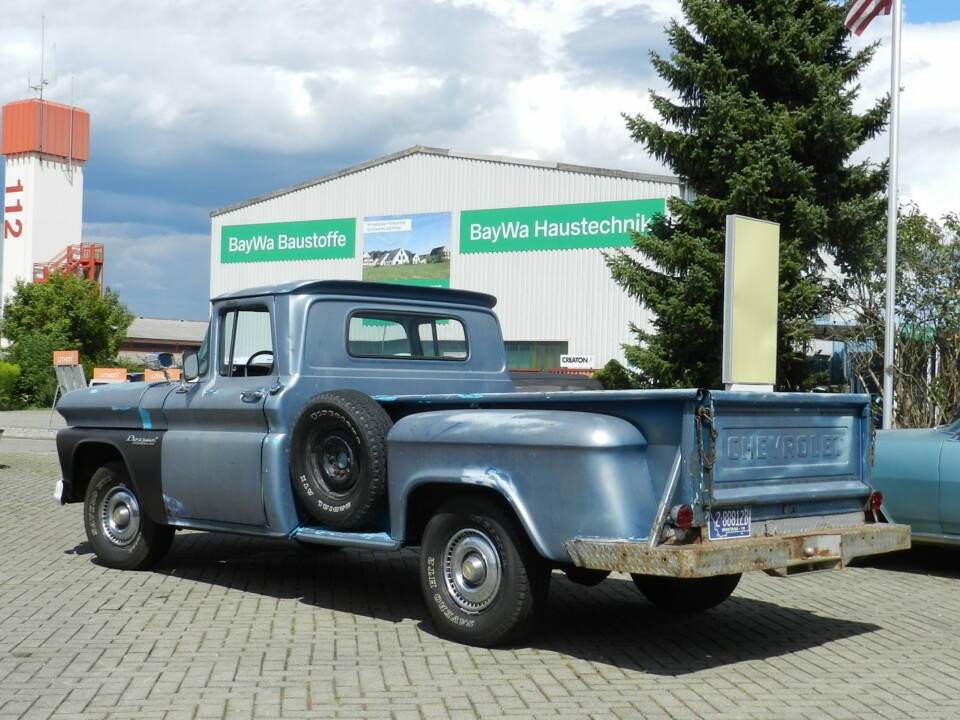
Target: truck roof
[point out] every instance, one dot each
(367, 289)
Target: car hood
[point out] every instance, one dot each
(120, 405)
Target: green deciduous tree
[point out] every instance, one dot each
(926, 385)
(761, 123)
(66, 313)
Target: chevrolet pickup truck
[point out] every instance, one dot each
(350, 414)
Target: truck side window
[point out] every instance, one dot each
(203, 354)
(401, 335)
(246, 343)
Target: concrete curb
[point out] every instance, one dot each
(29, 433)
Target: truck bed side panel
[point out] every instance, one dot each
(565, 474)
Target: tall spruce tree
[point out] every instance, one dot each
(761, 124)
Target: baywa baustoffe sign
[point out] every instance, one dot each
(305, 240)
(556, 227)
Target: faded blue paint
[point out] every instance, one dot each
(325, 536)
(175, 509)
(566, 474)
(918, 472)
(571, 464)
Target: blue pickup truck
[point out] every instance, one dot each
(350, 414)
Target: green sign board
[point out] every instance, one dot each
(556, 227)
(270, 242)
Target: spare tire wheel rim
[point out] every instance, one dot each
(471, 570)
(120, 516)
(336, 458)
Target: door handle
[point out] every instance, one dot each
(275, 388)
(251, 396)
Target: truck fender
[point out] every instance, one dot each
(564, 474)
(138, 450)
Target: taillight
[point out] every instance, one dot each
(876, 500)
(682, 516)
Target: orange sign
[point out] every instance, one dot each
(111, 374)
(66, 357)
(157, 375)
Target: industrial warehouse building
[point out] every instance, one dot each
(531, 233)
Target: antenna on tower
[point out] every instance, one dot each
(38, 88)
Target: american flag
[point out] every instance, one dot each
(861, 12)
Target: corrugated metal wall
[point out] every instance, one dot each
(564, 295)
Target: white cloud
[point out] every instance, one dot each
(189, 98)
(166, 84)
(929, 154)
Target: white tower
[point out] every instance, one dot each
(45, 145)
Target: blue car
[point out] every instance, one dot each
(918, 472)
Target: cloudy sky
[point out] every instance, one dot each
(197, 105)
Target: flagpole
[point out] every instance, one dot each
(892, 208)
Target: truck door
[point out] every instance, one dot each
(211, 457)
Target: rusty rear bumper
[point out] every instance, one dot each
(782, 555)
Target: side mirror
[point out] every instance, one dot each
(158, 360)
(191, 365)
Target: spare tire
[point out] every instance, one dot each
(338, 458)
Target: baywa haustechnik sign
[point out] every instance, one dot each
(544, 227)
(556, 227)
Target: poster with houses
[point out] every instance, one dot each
(409, 249)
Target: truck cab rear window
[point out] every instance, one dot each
(399, 335)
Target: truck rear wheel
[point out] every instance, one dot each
(120, 533)
(482, 580)
(682, 595)
(338, 458)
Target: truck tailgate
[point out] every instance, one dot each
(787, 454)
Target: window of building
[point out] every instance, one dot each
(538, 355)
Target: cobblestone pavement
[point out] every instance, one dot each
(236, 628)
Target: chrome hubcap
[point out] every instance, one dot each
(471, 570)
(120, 516)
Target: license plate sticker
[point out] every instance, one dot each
(730, 523)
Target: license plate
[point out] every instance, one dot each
(730, 523)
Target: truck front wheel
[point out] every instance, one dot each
(686, 594)
(120, 533)
(482, 580)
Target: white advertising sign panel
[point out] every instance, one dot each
(578, 362)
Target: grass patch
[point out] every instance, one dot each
(404, 273)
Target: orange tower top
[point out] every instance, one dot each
(46, 127)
